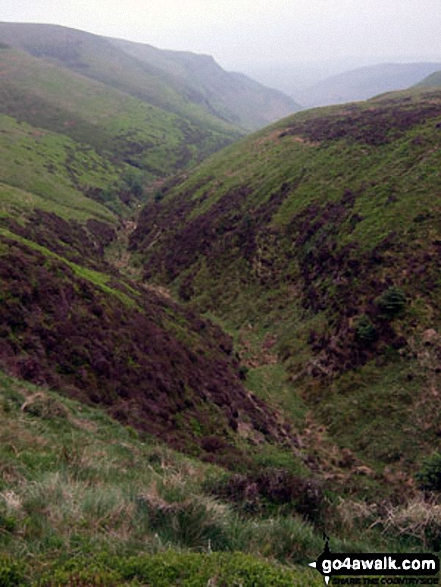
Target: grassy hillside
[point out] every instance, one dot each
(433, 80)
(47, 171)
(108, 342)
(121, 128)
(316, 243)
(85, 501)
(71, 170)
(206, 95)
(231, 96)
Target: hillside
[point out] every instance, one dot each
(433, 80)
(76, 158)
(271, 314)
(68, 319)
(366, 82)
(125, 130)
(86, 501)
(316, 243)
(191, 86)
(232, 96)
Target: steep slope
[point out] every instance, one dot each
(151, 364)
(205, 95)
(366, 82)
(68, 319)
(84, 500)
(232, 96)
(121, 128)
(319, 238)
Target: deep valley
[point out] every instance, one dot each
(220, 340)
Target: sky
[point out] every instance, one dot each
(244, 33)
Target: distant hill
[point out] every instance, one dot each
(122, 128)
(227, 94)
(366, 82)
(192, 86)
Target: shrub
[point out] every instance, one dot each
(429, 476)
(10, 573)
(365, 331)
(200, 570)
(174, 568)
(391, 302)
(81, 573)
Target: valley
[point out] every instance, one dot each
(216, 344)
(335, 214)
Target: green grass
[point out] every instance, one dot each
(193, 87)
(84, 498)
(142, 130)
(39, 169)
(74, 483)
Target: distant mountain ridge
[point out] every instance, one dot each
(190, 85)
(366, 82)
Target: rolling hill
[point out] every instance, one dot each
(316, 243)
(70, 320)
(191, 86)
(232, 96)
(78, 156)
(366, 82)
(124, 129)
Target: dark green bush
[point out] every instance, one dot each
(391, 302)
(429, 476)
(365, 330)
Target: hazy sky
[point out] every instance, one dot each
(240, 32)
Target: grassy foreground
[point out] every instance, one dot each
(85, 501)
